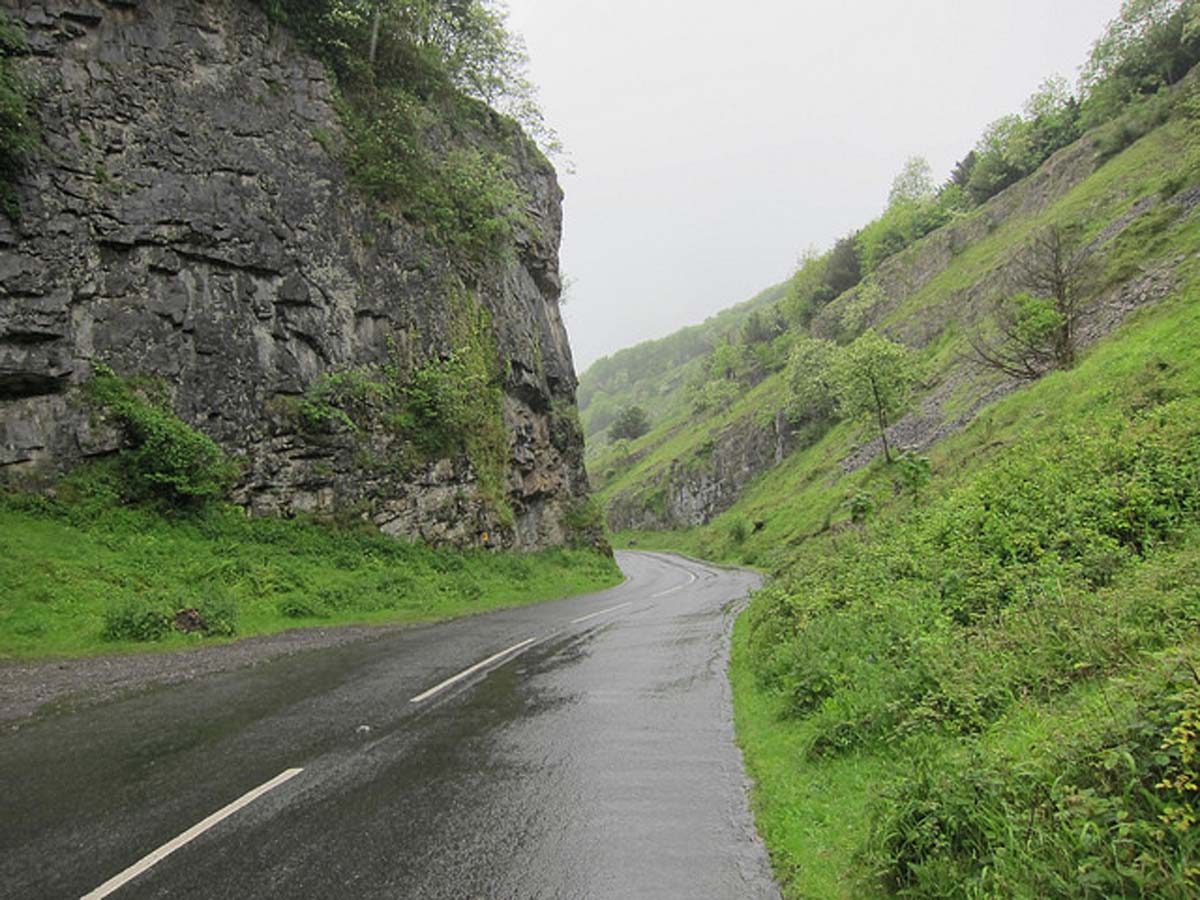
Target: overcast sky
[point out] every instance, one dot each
(713, 142)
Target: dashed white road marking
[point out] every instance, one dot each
(691, 578)
(152, 859)
(471, 671)
(602, 612)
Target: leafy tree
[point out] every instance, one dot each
(874, 376)
(1039, 325)
(913, 184)
(1150, 44)
(1053, 114)
(807, 290)
(630, 424)
(811, 377)
(761, 326)
(1003, 156)
(961, 175)
(844, 270)
(730, 362)
(915, 208)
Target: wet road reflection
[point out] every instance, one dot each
(596, 762)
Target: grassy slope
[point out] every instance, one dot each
(815, 814)
(65, 566)
(809, 482)
(655, 373)
(1040, 754)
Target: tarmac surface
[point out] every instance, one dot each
(579, 748)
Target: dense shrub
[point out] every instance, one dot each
(939, 616)
(1107, 808)
(136, 620)
(166, 459)
(631, 423)
(218, 609)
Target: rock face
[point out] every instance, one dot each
(687, 495)
(187, 222)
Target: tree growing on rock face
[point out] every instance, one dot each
(630, 424)
(1038, 325)
(873, 376)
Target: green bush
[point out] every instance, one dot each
(136, 620)
(739, 530)
(1105, 809)
(167, 460)
(218, 610)
(938, 617)
(303, 607)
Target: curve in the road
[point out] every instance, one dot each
(581, 748)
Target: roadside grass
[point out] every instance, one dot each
(911, 688)
(811, 817)
(75, 568)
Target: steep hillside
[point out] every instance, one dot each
(973, 672)
(346, 275)
(1128, 213)
(654, 375)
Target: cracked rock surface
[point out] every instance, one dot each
(187, 222)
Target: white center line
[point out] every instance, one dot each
(691, 578)
(466, 672)
(152, 859)
(602, 612)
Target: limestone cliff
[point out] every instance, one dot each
(190, 220)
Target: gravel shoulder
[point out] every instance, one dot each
(28, 688)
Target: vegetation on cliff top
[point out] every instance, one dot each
(418, 83)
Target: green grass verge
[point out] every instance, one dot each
(73, 570)
(811, 817)
(991, 692)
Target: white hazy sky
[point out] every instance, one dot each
(714, 141)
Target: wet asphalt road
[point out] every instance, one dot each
(596, 761)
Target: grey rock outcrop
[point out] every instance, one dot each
(693, 493)
(187, 221)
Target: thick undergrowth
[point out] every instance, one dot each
(86, 573)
